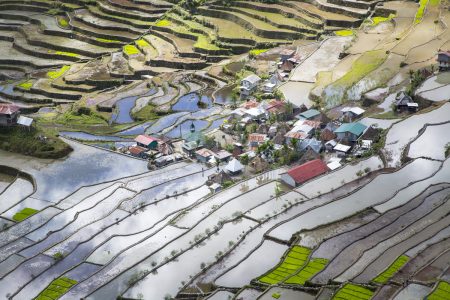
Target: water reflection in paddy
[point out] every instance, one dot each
(192, 102)
(84, 166)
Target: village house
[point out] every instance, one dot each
(146, 141)
(249, 84)
(370, 136)
(286, 54)
(138, 151)
(310, 114)
(256, 139)
(9, 114)
(329, 145)
(444, 60)
(203, 155)
(238, 149)
(25, 122)
(404, 102)
(341, 149)
(234, 167)
(255, 113)
(190, 147)
(249, 104)
(302, 129)
(334, 164)
(277, 108)
(352, 113)
(350, 131)
(222, 138)
(310, 144)
(223, 155)
(271, 83)
(220, 178)
(300, 174)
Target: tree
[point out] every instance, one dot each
(294, 143)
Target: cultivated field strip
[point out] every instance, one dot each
(347, 247)
(360, 200)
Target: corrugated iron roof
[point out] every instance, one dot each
(8, 109)
(308, 170)
(145, 139)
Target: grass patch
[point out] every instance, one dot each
(367, 63)
(81, 117)
(378, 20)
(58, 73)
(204, 43)
(313, 267)
(146, 113)
(63, 22)
(293, 261)
(345, 32)
(353, 292)
(442, 291)
(24, 213)
(392, 269)
(26, 85)
(256, 52)
(130, 50)
(66, 53)
(421, 11)
(56, 288)
(142, 43)
(163, 23)
(29, 142)
(107, 40)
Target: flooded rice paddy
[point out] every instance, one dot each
(123, 230)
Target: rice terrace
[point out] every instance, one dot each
(225, 149)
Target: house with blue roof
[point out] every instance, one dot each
(350, 131)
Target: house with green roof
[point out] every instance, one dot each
(350, 131)
(309, 114)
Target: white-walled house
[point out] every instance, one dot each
(249, 84)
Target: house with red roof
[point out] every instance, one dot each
(256, 139)
(147, 141)
(301, 174)
(9, 114)
(137, 151)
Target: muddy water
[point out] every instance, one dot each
(324, 59)
(286, 294)
(224, 95)
(248, 294)
(382, 262)
(297, 92)
(421, 260)
(434, 269)
(414, 234)
(413, 292)
(349, 246)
